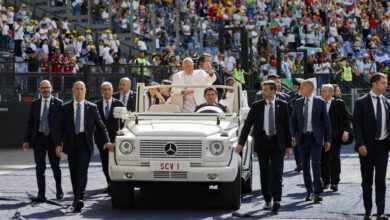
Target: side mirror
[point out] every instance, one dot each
(119, 112)
(244, 113)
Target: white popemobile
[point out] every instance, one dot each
(167, 146)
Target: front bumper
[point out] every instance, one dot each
(193, 174)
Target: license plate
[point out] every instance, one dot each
(169, 165)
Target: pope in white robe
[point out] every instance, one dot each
(189, 76)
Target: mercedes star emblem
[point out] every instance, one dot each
(170, 149)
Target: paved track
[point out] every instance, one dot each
(17, 181)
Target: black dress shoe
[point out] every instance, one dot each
(309, 197)
(276, 206)
(267, 206)
(382, 217)
(334, 187)
(298, 168)
(39, 198)
(317, 198)
(78, 205)
(368, 215)
(60, 193)
(325, 186)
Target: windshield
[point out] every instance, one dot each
(188, 99)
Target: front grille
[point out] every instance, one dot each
(185, 149)
(169, 175)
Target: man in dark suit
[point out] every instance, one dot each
(125, 94)
(294, 95)
(272, 136)
(371, 125)
(205, 64)
(40, 133)
(279, 94)
(75, 128)
(341, 127)
(310, 126)
(106, 107)
(210, 95)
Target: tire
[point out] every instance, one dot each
(231, 192)
(122, 194)
(247, 185)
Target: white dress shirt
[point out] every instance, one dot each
(127, 97)
(105, 105)
(328, 105)
(266, 117)
(82, 106)
(47, 104)
(384, 129)
(309, 113)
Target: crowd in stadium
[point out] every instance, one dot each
(345, 38)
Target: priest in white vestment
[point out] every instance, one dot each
(189, 76)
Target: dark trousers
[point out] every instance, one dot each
(271, 170)
(45, 143)
(330, 164)
(78, 165)
(18, 48)
(376, 159)
(297, 156)
(104, 159)
(311, 153)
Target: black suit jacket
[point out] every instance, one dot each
(215, 104)
(112, 124)
(364, 122)
(131, 100)
(339, 119)
(256, 118)
(320, 121)
(65, 126)
(34, 119)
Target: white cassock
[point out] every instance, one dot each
(198, 77)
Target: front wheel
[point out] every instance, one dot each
(122, 194)
(231, 192)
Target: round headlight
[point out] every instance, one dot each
(216, 148)
(126, 147)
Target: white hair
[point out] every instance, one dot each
(106, 84)
(188, 59)
(329, 87)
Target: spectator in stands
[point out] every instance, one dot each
(140, 44)
(105, 52)
(170, 48)
(114, 44)
(18, 36)
(4, 28)
(92, 58)
(71, 47)
(110, 57)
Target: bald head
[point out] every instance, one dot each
(79, 91)
(45, 88)
(124, 85)
(307, 88)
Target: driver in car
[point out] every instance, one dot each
(210, 95)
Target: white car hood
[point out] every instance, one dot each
(177, 128)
